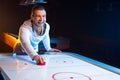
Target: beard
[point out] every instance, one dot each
(39, 23)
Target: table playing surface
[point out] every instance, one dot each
(59, 66)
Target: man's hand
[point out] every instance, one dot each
(38, 59)
(54, 50)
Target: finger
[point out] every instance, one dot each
(41, 59)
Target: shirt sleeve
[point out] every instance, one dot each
(46, 40)
(25, 42)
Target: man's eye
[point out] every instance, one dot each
(44, 16)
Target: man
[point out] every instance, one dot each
(32, 32)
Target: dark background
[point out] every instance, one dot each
(92, 26)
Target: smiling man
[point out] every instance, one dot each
(32, 32)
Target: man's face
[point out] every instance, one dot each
(39, 17)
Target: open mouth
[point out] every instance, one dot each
(40, 22)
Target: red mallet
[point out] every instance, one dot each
(41, 64)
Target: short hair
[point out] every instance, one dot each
(37, 7)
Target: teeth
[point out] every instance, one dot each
(40, 22)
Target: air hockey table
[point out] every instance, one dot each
(59, 66)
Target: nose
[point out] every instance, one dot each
(41, 19)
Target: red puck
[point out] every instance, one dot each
(42, 64)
